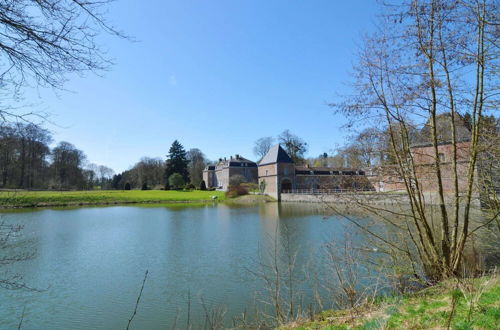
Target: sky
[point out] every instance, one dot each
(215, 75)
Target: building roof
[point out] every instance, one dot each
(275, 155)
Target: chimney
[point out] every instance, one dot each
(237, 156)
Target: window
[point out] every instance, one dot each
(267, 172)
(286, 171)
(441, 157)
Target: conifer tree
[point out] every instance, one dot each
(177, 162)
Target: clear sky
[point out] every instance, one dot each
(216, 75)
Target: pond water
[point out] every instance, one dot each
(90, 262)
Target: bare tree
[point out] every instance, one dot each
(10, 253)
(197, 162)
(262, 146)
(294, 145)
(429, 58)
(43, 41)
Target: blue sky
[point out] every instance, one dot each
(216, 75)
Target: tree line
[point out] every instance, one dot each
(28, 162)
(181, 169)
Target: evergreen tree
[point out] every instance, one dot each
(177, 162)
(116, 181)
(203, 185)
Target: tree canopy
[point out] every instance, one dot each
(177, 161)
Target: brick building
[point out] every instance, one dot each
(386, 178)
(278, 174)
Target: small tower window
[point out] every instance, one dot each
(441, 157)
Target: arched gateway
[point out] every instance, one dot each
(286, 185)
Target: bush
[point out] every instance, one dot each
(189, 186)
(176, 181)
(251, 186)
(145, 186)
(236, 191)
(127, 186)
(203, 185)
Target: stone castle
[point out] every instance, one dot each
(276, 173)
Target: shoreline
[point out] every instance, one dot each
(105, 203)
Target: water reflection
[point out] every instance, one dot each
(92, 260)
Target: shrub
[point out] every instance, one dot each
(176, 181)
(203, 185)
(145, 186)
(127, 186)
(251, 186)
(236, 191)
(189, 186)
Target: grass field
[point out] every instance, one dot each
(426, 309)
(95, 197)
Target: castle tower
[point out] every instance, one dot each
(276, 172)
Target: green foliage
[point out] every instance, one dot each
(176, 181)
(127, 186)
(189, 186)
(145, 186)
(427, 309)
(177, 162)
(203, 185)
(262, 186)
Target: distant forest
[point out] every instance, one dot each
(28, 162)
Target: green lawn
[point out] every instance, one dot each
(427, 309)
(63, 198)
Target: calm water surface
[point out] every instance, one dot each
(91, 261)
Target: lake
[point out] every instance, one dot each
(90, 262)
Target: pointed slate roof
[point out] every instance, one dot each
(275, 155)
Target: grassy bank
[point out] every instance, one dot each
(11, 199)
(426, 309)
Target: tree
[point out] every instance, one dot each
(44, 41)
(23, 155)
(116, 181)
(294, 146)
(177, 162)
(196, 165)
(66, 165)
(105, 174)
(203, 185)
(236, 180)
(176, 181)
(410, 73)
(262, 146)
(127, 186)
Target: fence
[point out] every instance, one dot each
(313, 191)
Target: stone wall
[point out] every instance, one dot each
(375, 198)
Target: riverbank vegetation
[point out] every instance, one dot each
(9, 199)
(455, 304)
